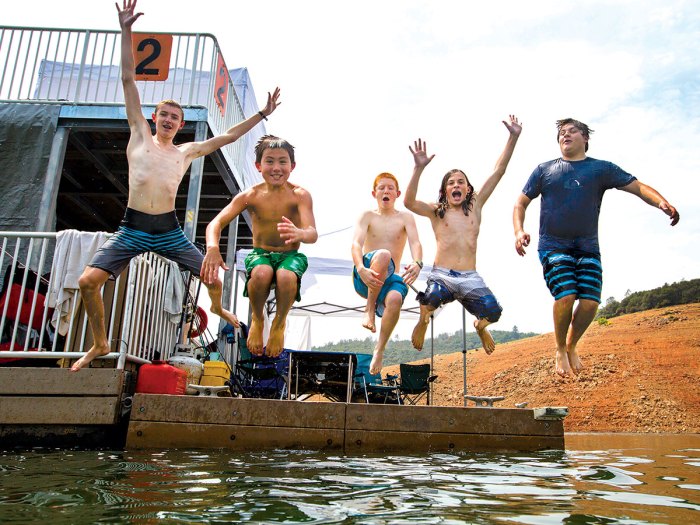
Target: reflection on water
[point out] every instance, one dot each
(599, 479)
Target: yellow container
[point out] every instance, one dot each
(216, 373)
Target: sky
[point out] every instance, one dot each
(362, 80)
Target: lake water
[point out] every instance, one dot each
(599, 479)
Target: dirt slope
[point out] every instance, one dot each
(642, 374)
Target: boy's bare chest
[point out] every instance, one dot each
(456, 223)
(273, 207)
(386, 227)
(151, 161)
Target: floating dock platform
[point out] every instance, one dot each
(97, 408)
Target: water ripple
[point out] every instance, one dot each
(613, 485)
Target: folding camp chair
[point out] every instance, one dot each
(414, 383)
(258, 376)
(371, 386)
(329, 374)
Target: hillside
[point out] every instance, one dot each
(397, 350)
(642, 374)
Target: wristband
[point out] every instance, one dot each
(419, 263)
(262, 115)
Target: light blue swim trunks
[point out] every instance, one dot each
(392, 282)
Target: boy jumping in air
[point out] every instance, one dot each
(377, 246)
(456, 218)
(283, 218)
(156, 168)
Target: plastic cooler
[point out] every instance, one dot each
(161, 378)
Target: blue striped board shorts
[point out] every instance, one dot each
(468, 287)
(572, 273)
(393, 281)
(140, 233)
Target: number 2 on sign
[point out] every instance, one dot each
(152, 55)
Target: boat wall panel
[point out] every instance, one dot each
(62, 436)
(361, 441)
(61, 381)
(26, 135)
(235, 411)
(148, 434)
(59, 410)
(397, 418)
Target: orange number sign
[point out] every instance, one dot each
(152, 55)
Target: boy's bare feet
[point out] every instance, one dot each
(486, 338)
(255, 337)
(574, 361)
(229, 317)
(368, 321)
(418, 335)
(562, 366)
(88, 357)
(375, 367)
(275, 343)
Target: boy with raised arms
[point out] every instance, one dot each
(156, 167)
(456, 219)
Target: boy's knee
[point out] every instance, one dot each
(84, 282)
(490, 309)
(435, 295)
(381, 257)
(393, 300)
(89, 281)
(286, 281)
(261, 276)
(286, 278)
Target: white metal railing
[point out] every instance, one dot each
(138, 327)
(83, 66)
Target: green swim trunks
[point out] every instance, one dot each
(293, 260)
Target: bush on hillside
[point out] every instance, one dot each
(682, 292)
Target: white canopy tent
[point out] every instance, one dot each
(298, 333)
(312, 285)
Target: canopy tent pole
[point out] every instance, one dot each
(226, 301)
(231, 243)
(432, 355)
(464, 354)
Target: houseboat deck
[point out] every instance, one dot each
(96, 407)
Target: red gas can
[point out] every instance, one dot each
(161, 378)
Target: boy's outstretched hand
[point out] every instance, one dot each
(420, 153)
(671, 212)
(272, 102)
(514, 126)
(126, 15)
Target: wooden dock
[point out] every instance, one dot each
(160, 421)
(97, 407)
(56, 407)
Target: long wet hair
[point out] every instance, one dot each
(272, 142)
(467, 204)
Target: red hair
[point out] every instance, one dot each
(385, 176)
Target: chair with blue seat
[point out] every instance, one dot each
(414, 383)
(371, 386)
(258, 376)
